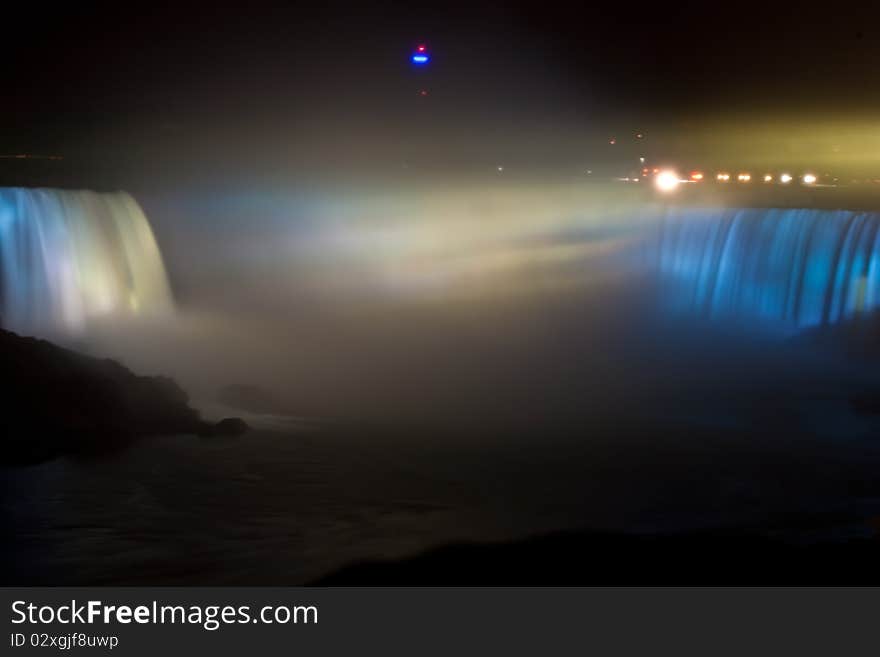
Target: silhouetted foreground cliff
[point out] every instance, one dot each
(594, 559)
(57, 402)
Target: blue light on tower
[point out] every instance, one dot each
(420, 57)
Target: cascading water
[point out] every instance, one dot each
(68, 257)
(792, 268)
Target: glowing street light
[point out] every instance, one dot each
(809, 179)
(785, 178)
(744, 177)
(666, 181)
(768, 177)
(722, 177)
(696, 176)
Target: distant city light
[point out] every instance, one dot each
(612, 141)
(722, 177)
(29, 156)
(785, 178)
(696, 175)
(768, 177)
(500, 169)
(809, 179)
(744, 177)
(666, 181)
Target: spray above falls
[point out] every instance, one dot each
(71, 257)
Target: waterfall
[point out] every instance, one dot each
(69, 257)
(795, 268)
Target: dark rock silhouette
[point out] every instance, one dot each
(58, 402)
(251, 398)
(616, 559)
(865, 404)
(228, 426)
(857, 338)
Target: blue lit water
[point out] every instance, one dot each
(792, 268)
(484, 417)
(70, 257)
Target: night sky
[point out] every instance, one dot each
(154, 88)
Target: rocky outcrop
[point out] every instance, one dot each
(228, 426)
(58, 402)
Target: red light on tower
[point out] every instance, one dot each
(420, 56)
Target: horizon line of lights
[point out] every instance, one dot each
(29, 156)
(667, 180)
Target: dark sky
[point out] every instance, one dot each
(321, 83)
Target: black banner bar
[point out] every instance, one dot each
(415, 621)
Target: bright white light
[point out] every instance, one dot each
(722, 177)
(744, 177)
(500, 169)
(666, 181)
(785, 178)
(768, 177)
(809, 179)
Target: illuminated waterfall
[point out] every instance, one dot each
(794, 268)
(69, 257)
